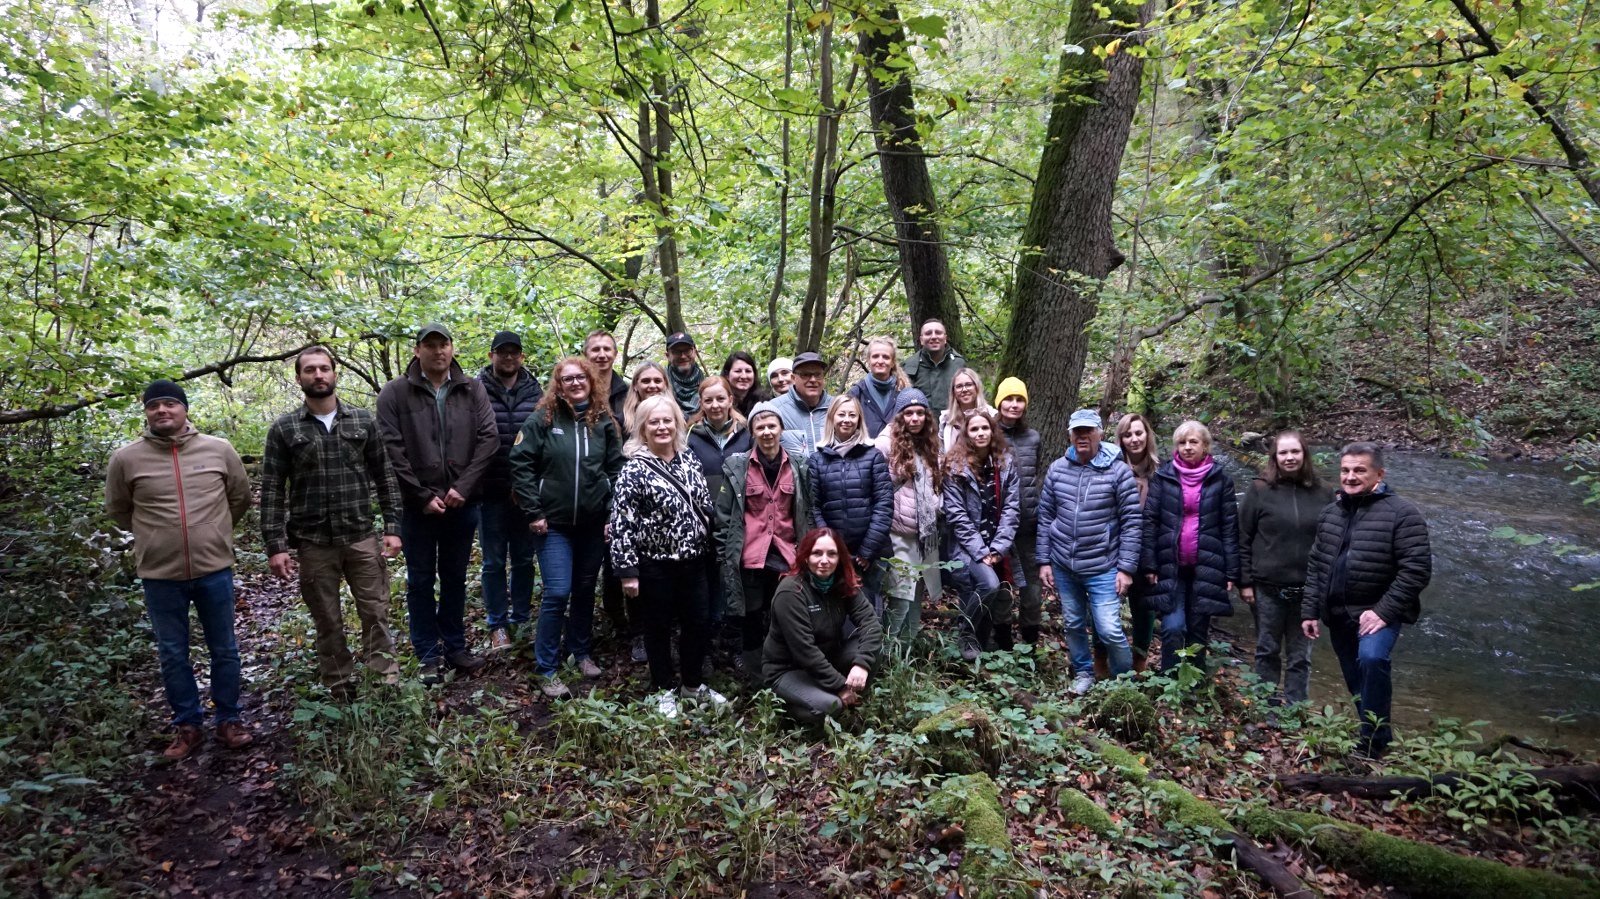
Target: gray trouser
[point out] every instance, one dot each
(807, 701)
(1280, 642)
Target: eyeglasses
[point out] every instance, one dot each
(574, 379)
(813, 376)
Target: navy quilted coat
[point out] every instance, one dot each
(852, 494)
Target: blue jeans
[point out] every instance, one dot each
(503, 531)
(438, 547)
(1180, 628)
(1365, 664)
(1085, 595)
(570, 560)
(167, 603)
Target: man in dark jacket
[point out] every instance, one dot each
(934, 365)
(600, 348)
(1369, 565)
(439, 429)
(503, 529)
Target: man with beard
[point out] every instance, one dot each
(181, 492)
(683, 372)
(323, 467)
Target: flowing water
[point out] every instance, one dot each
(1503, 636)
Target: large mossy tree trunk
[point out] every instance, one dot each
(1067, 246)
(903, 166)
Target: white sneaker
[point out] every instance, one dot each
(706, 694)
(588, 668)
(553, 688)
(667, 705)
(1081, 684)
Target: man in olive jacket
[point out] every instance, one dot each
(440, 431)
(181, 492)
(1369, 565)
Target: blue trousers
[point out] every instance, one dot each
(503, 533)
(167, 603)
(570, 560)
(1364, 662)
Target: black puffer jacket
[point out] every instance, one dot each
(1217, 561)
(704, 447)
(1024, 443)
(1371, 552)
(852, 494)
(511, 409)
(616, 396)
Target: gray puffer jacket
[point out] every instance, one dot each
(963, 509)
(1089, 518)
(1024, 443)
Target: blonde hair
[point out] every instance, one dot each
(839, 402)
(979, 401)
(901, 382)
(1192, 427)
(637, 442)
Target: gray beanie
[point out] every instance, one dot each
(763, 408)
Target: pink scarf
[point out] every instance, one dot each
(1189, 535)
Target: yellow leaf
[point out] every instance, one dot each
(1307, 88)
(1111, 48)
(819, 19)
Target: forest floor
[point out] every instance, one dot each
(1517, 378)
(482, 787)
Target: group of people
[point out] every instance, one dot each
(809, 528)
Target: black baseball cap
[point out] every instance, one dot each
(678, 337)
(432, 328)
(502, 338)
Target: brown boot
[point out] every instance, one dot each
(1140, 660)
(232, 735)
(1102, 666)
(186, 741)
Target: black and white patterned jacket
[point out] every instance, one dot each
(651, 518)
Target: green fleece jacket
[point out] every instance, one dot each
(807, 635)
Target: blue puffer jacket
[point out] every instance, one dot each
(963, 509)
(1218, 558)
(1089, 519)
(852, 494)
(511, 409)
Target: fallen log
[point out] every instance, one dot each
(1579, 783)
(1417, 869)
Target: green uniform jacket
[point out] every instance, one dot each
(933, 378)
(562, 470)
(807, 635)
(730, 519)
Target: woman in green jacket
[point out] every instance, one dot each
(809, 661)
(562, 465)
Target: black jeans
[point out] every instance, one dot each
(759, 587)
(675, 591)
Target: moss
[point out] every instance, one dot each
(1416, 868)
(989, 868)
(961, 739)
(1124, 711)
(1188, 809)
(1081, 811)
(1125, 763)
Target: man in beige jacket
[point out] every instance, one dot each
(181, 492)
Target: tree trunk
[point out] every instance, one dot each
(924, 264)
(814, 314)
(783, 194)
(1579, 783)
(1067, 246)
(655, 145)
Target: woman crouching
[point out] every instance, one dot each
(808, 660)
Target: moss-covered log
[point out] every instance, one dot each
(1578, 783)
(989, 868)
(1125, 712)
(1190, 810)
(1417, 869)
(962, 739)
(1077, 808)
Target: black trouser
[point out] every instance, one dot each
(759, 586)
(674, 591)
(622, 611)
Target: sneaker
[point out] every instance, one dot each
(704, 693)
(463, 661)
(553, 688)
(588, 668)
(970, 650)
(232, 735)
(667, 704)
(499, 640)
(187, 740)
(638, 654)
(432, 671)
(1081, 684)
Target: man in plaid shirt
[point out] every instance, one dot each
(324, 465)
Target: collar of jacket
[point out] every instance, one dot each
(188, 434)
(492, 381)
(855, 449)
(1357, 500)
(418, 379)
(340, 410)
(1108, 453)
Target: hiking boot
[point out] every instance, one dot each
(667, 704)
(1030, 634)
(187, 740)
(1141, 660)
(1081, 684)
(1002, 638)
(499, 640)
(232, 735)
(970, 649)
(1102, 664)
(588, 668)
(553, 688)
(344, 693)
(638, 654)
(432, 671)
(704, 693)
(463, 661)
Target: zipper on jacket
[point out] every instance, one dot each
(580, 452)
(183, 514)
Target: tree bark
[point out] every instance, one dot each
(783, 194)
(814, 313)
(655, 146)
(1067, 245)
(903, 167)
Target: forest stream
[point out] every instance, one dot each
(1503, 637)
